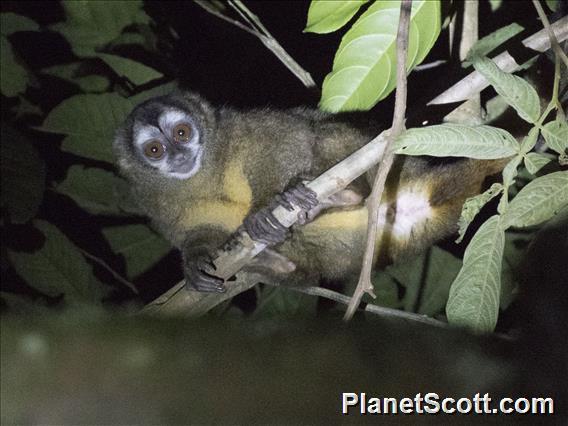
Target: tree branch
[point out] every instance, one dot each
(365, 285)
(552, 37)
(475, 82)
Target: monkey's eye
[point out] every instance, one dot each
(154, 150)
(182, 133)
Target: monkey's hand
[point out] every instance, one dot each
(199, 275)
(263, 227)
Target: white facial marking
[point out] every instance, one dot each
(170, 118)
(143, 134)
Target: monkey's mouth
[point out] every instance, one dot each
(185, 166)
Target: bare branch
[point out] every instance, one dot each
(470, 111)
(552, 37)
(475, 82)
(365, 285)
(255, 27)
(115, 274)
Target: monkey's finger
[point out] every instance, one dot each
(301, 196)
(265, 228)
(206, 285)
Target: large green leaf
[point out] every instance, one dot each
(134, 71)
(89, 25)
(457, 140)
(11, 23)
(141, 247)
(90, 122)
(58, 268)
(538, 201)
(94, 189)
(516, 91)
(474, 295)
(22, 176)
(328, 16)
(364, 70)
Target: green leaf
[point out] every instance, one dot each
(22, 176)
(538, 201)
(495, 4)
(516, 91)
(473, 205)
(141, 247)
(328, 16)
(552, 4)
(364, 70)
(90, 122)
(15, 77)
(441, 271)
(136, 72)
(491, 41)
(555, 134)
(386, 290)
(494, 108)
(57, 268)
(89, 25)
(510, 171)
(426, 278)
(73, 73)
(534, 161)
(94, 189)
(474, 295)
(457, 140)
(11, 23)
(509, 174)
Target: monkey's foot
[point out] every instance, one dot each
(265, 228)
(343, 198)
(198, 276)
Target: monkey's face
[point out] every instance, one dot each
(166, 138)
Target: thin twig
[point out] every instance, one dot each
(116, 275)
(365, 285)
(373, 309)
(254, 26)
(553, 41)
(205, 5)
